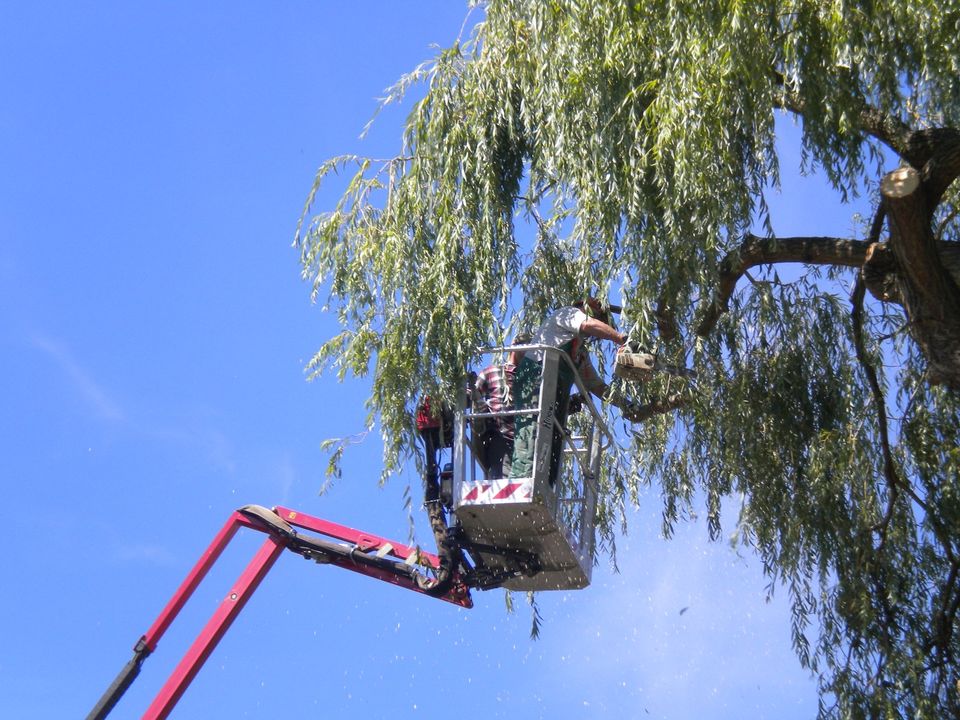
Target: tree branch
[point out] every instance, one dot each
(911, 239)
(946, 614)
(764, 251)
(876, 227)
(891, 131)
(889, 469)
(938, 147)
(658, 406)
(666, 321)
(943, 165)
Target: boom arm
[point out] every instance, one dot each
(363, 553)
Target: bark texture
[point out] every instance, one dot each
(926, 289)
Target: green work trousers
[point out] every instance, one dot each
(526, 388)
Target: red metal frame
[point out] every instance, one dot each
(248, 582)
(195, 577)
(459, 594)
(215, 629)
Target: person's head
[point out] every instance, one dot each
(523, 337)
(594, 308)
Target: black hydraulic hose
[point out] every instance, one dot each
(336, 551)
(322, 550)
(448, 550)
(448, 547)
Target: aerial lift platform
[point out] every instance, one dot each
(537, 531)
(529, 533)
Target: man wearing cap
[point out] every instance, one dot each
(564, 329)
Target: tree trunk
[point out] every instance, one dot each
(926, 289)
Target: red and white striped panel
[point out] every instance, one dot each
(484, 492)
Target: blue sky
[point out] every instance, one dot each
(153, 333)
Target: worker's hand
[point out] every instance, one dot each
(632, 411)
(576, 403)
(632, 346)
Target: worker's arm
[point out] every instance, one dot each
(595, 328)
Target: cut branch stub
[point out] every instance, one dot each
(900, 183)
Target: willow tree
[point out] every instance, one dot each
(630, 148)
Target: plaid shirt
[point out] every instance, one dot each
(494, 387)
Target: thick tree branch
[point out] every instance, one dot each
(889, 469)
(917, 147)
(666, 321)
(936, 151)
(912, 241)
(764, 251)
(943, 165)
(891, 131)
(882, 274)
(658, 406)
(946, 615)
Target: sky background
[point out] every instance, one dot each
(154, 160)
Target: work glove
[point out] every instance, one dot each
(575, 404)
(631, 410)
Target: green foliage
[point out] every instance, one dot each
(637, 141)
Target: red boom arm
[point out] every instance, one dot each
(366, 554)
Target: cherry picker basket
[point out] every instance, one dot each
(537, 529)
